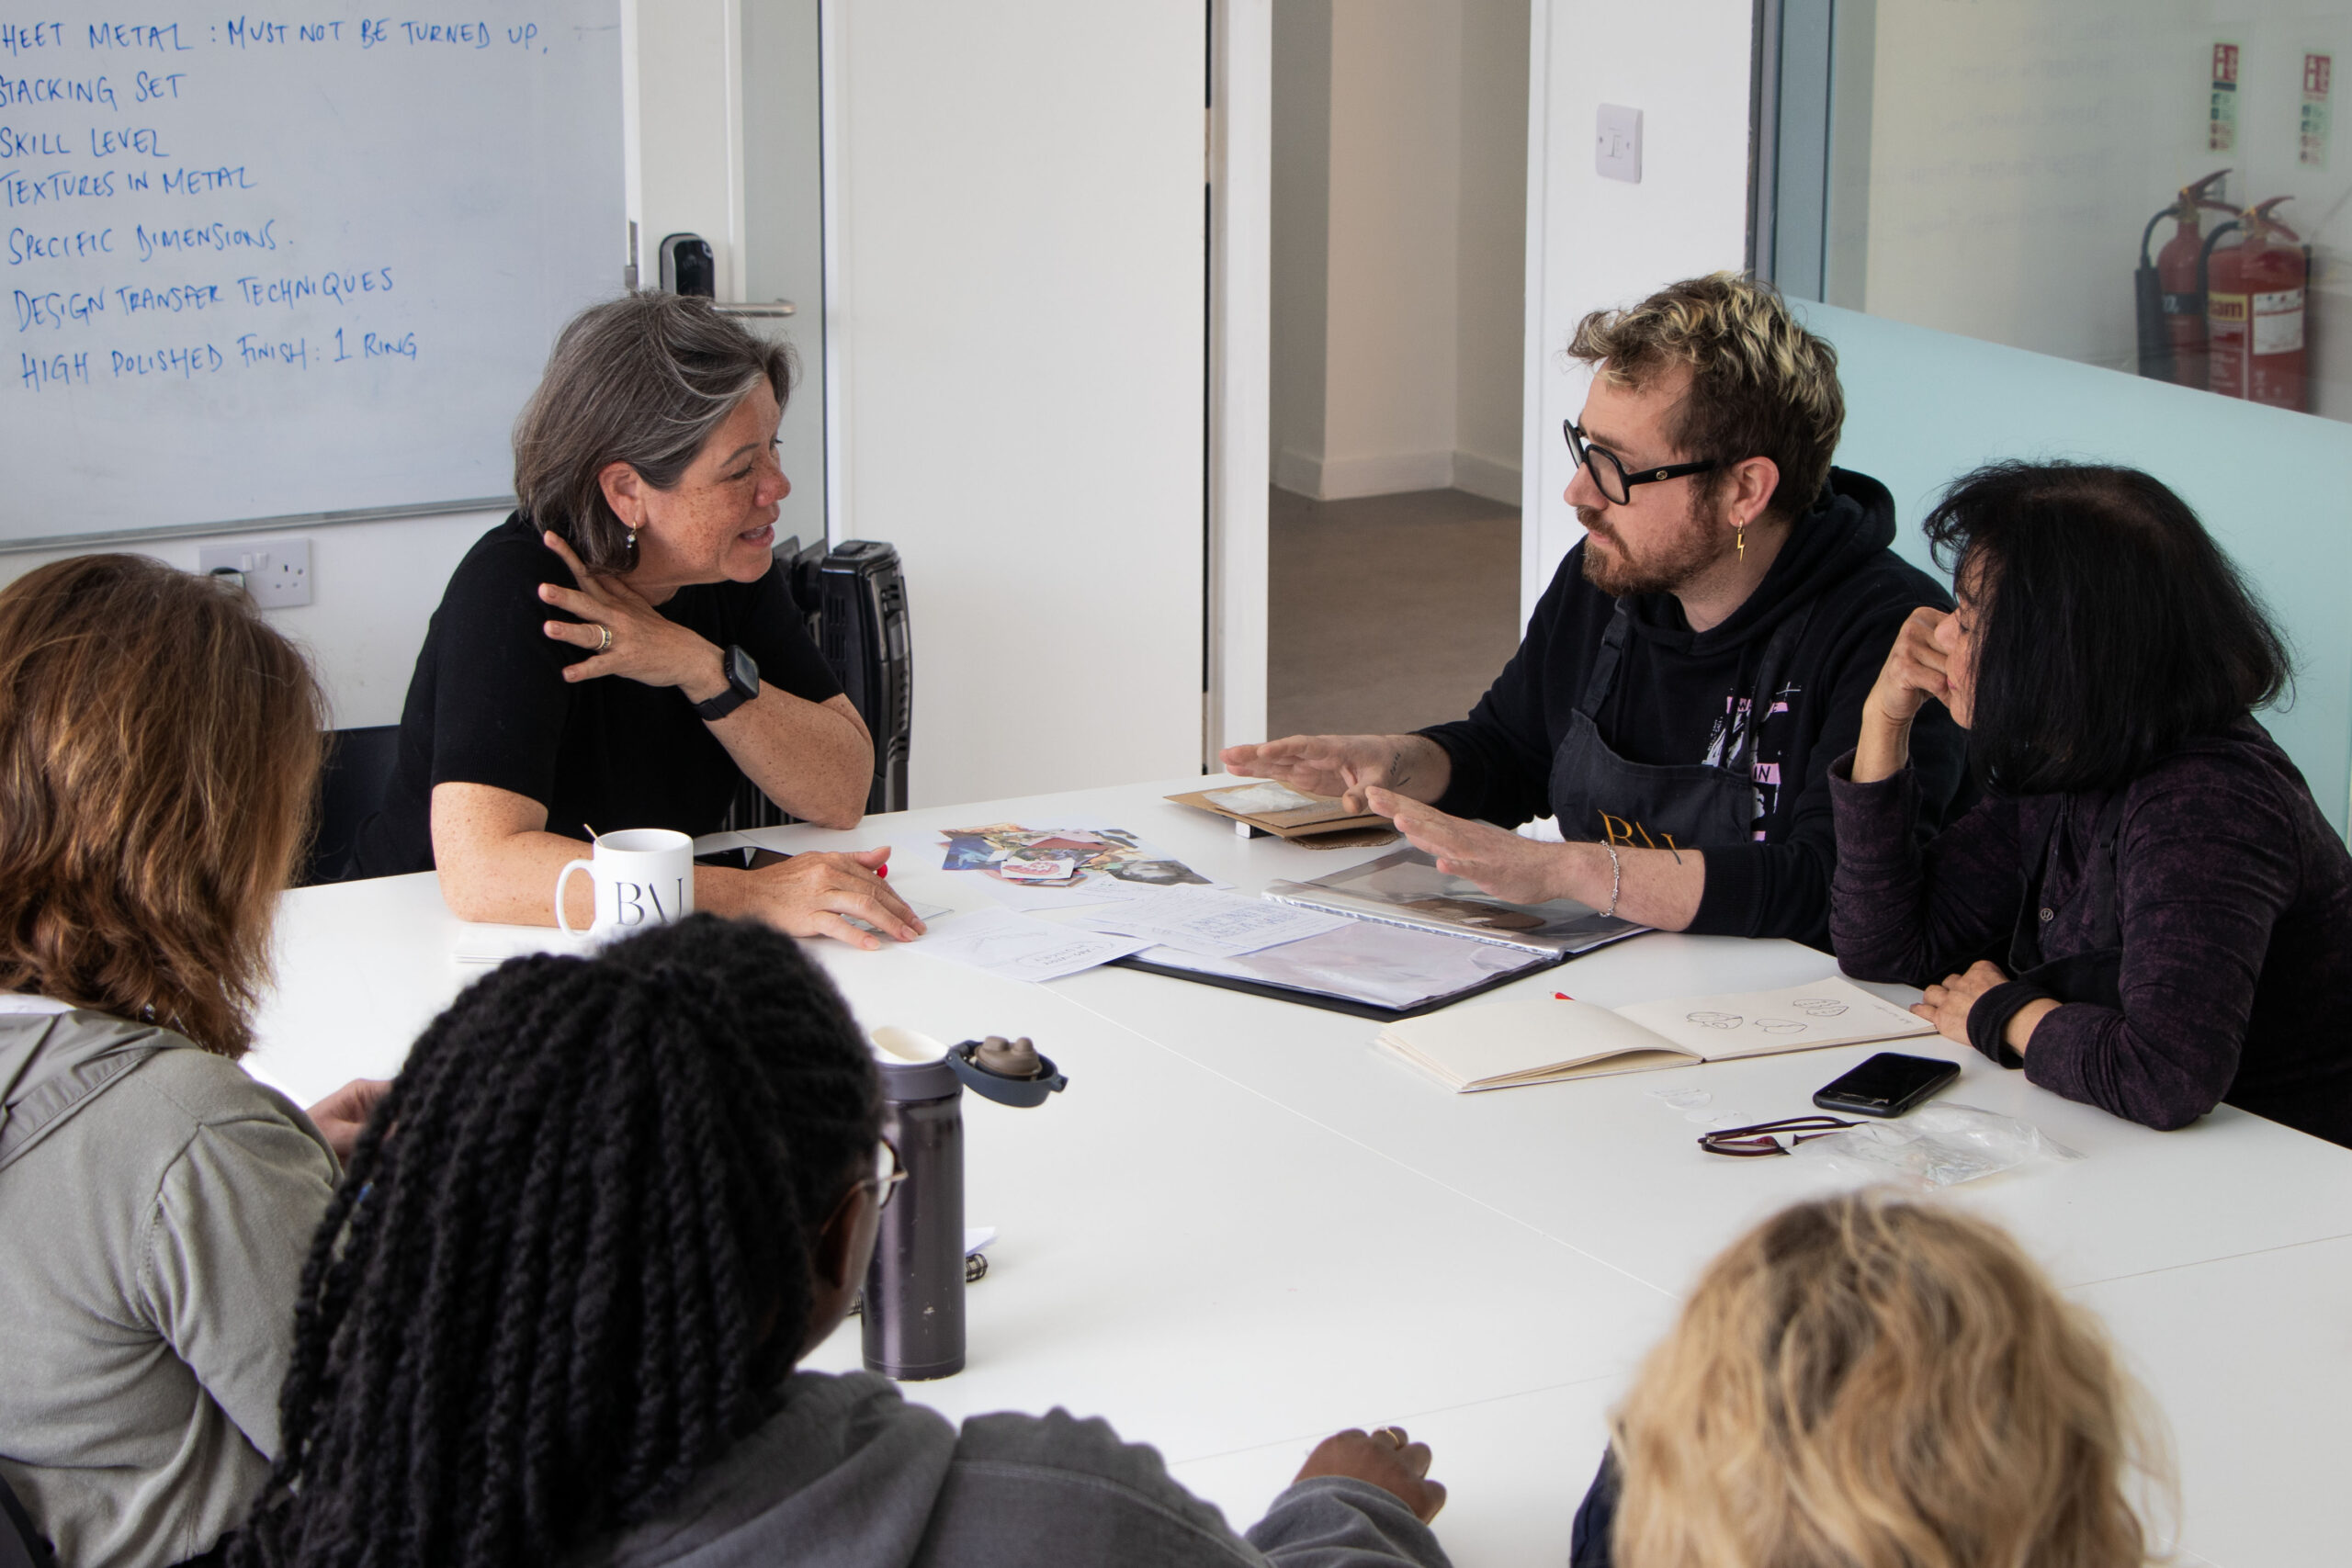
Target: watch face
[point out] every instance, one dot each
(742, 673)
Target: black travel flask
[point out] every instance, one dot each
(913, 1315)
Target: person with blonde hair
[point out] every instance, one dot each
(1878, 1383)
(1698, 658)
(159, 749)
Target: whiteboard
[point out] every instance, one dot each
(310, 263)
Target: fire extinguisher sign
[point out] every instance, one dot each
(2310, 151)
(2221, 111)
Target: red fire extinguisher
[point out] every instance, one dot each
(2255, 302)
(2172, 289)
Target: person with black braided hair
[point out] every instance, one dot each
(553, 1312)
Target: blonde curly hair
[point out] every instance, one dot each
(1761, 385)
(1880, 1383)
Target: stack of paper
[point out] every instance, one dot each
(1203, 920)
(1021, 947)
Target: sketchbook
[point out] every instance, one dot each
(1548, 1039)
(1404, 888)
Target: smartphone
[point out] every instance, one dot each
(1887, 1084)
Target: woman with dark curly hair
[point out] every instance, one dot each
(554, 1313)
(2169, 915)
(159, 745)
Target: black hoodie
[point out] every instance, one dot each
(1675, 686)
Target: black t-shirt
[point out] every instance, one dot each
(489, 704)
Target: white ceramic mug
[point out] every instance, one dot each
(644, 876)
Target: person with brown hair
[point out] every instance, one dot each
(1882, 1383)
(1698, 658)
(623, 652)
(159, 750)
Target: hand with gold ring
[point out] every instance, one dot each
(623, 633)
(1388, 1459)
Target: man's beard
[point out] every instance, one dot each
(1691, 550)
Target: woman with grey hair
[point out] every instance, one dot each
(623, 652)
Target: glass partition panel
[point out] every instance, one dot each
(2149, 185)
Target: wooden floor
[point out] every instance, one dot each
(1386, 613)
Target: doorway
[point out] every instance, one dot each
(1397, 307)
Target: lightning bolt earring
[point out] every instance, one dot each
(1740, 539)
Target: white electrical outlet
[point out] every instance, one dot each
(1617, 143)
(277, 572)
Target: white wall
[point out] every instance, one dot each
(1396, 206)
(1400, 221)
(1240, 284)
(1300, 260)
(1019, 312)
(373, 588)
(1595, 243)
(1490, 268)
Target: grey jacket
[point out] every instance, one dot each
(849, 1475)
(156, 1205)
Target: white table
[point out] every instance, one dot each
(1243, 1226)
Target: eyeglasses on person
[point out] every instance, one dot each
(1609, 472)
(887, 1173)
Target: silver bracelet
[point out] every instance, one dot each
(1616, 881)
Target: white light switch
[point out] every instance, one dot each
(1617, 143)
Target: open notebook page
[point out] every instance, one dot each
(1830, 1011)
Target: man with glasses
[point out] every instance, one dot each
(1700, 659)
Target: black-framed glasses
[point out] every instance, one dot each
(1763, 1138)
(887, 1173)
(1609, 473)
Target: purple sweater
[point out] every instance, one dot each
(2234, 896)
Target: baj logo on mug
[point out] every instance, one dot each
(644, 876)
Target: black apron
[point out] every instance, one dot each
(2096, 975)
(1598, 794)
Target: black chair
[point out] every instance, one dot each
(21, 1546)
(351, 789)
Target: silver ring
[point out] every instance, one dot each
(605, 634)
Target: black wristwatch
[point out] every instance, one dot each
(742, 685)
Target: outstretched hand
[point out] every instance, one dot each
(1515, 870)
(1341, 766)
(1388, 1459)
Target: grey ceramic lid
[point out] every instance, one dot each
(1009, 1072)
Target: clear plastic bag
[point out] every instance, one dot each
(1937, 1145)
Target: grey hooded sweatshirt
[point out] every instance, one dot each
(156, 1206)
(849, 1475)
